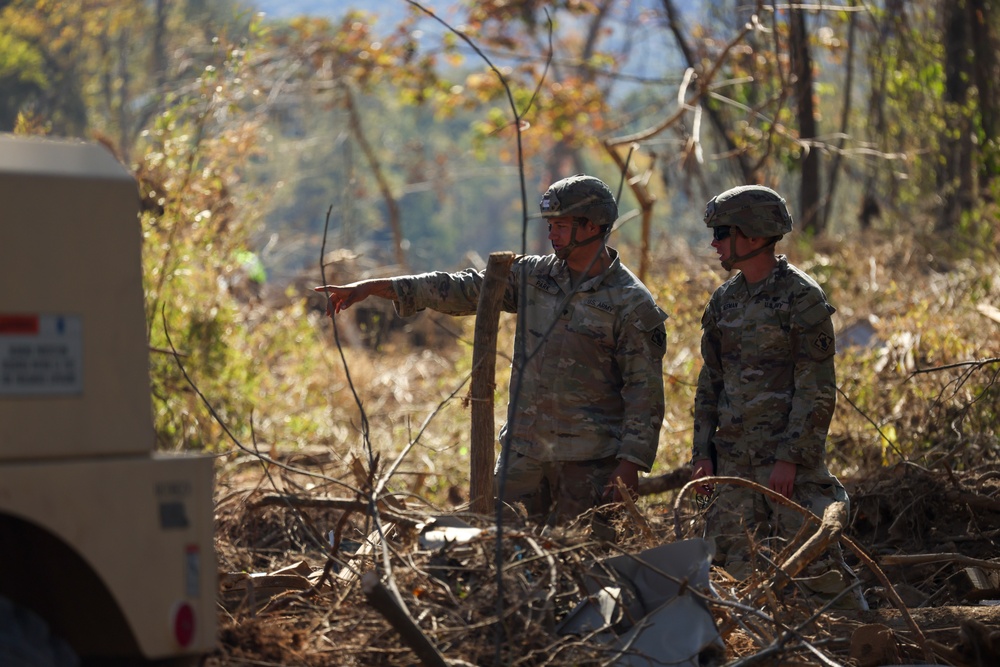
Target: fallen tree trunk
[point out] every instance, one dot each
(933, 618)
(670, 481)
(962, 636)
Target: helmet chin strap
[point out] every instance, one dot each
(564, 252)
(734, 258)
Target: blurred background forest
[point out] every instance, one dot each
(398, 136)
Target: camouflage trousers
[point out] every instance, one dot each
(748, 526)
(554, 490)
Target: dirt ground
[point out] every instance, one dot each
(294, 551)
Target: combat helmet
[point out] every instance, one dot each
(757, 210)
(581, 196)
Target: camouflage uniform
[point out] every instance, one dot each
(767, 392)
(591, 390)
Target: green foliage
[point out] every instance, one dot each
(916, 118)
(201, 282)
(21, 63)
(22, 74)
(914, 391)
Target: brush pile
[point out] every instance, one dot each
(311, 579)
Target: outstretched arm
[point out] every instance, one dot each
(342, 297)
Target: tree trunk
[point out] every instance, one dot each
(747, 170)
(955, 180)
(392, 206)
(845, 115)
(986, 75)
(809, 197)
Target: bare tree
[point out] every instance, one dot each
(746, 167)
(802, 68)
(984, 19)
(391, 205)
(955, 177)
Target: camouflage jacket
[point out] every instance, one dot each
(767, 388)
(592, 385)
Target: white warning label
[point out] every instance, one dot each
(40, 355)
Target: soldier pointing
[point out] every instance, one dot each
(590, 402)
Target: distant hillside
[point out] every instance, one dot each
(392, 11)
(387, 10)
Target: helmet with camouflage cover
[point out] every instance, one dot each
(758, 211)
(581, 196)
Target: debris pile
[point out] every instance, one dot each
(309, 579)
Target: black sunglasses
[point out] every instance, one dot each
(721, 232)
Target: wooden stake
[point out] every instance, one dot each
(484, 350)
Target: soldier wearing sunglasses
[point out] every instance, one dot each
(766, 391)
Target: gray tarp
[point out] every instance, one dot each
(635, 607)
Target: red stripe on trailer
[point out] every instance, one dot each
(18, 325)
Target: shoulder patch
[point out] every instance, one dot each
(648, 316)
(823, 342)
(658, 337)
(813, 314)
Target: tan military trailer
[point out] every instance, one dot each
(106, 551)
